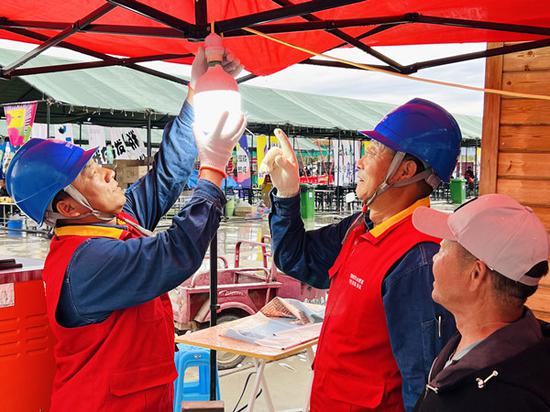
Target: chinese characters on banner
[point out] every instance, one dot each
(243, 163)
(125, 143)
(19, 119)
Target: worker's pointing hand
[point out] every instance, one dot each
(281, 164)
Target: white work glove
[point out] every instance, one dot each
(216, 147)
(281, 164)
(230, 64)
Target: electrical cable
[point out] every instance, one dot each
(403, 76)
(242, 394)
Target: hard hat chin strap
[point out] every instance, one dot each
(385, 185)
(428, 175)
(52, 217)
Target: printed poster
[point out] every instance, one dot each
(19, 119)
(243, 163)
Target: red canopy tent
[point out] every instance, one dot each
(146, 30)
(168, 30)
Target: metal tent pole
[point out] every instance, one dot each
(213, 310)
(476, 172)
(353, 159)
(201, 18)
(48, 118)
(329, 161)
(149, 148)
(338, 175)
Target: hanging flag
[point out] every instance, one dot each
(356, 157)
(39, 131)
(261, 150)
(20, 118)
(95, 135)
(261, 142)
(2, 150)
(243, 163)
(7, 155)
(128, 143)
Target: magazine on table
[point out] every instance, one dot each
(281, 324)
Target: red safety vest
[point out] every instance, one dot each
(354, 363)
(123, 364)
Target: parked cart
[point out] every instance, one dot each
(242, 291)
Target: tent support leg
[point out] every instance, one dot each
(213, 309)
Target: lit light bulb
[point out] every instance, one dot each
(216, 91)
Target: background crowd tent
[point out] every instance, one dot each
(516, 141)
(80, 102)
(120, 97)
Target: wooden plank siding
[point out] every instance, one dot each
(532, 192)
(491, 124)
(515, 153)
(524, 138)
(523, 112)
(529, 60)
(524, 165)
(526, 82)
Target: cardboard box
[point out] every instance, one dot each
(123, 163)
(130, 174)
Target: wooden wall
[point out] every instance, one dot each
(515, 149)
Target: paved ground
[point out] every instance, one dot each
(287, 378)
(231, 230)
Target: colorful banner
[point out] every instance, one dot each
(243, 163)
(20, 118)
(261, 150)
(261, 142)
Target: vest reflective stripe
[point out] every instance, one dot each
(125, 363)
(354, 361)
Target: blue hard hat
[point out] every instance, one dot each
(39, 170)
(425, 130)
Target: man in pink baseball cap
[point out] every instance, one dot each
(493, 254)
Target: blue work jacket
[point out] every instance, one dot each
(418, 328)
(107, 274)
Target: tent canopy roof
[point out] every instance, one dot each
(120, 97)
(170, 29)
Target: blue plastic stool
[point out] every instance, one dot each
(199, 390)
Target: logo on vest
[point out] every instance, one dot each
(356, 281)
